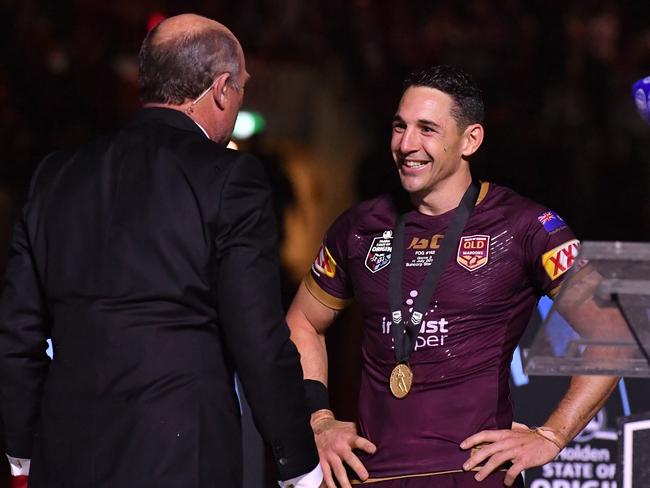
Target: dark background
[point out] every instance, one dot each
(561, 125)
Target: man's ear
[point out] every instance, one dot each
(220, 89)
(472, 139)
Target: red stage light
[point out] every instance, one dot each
(155, 19)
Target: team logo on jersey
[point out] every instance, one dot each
(423, 243)
(324, 263)
(558, 260)
(380, 251)
(473, 252)
(551, 221)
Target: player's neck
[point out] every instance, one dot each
(444, 197)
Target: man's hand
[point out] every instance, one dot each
(335, 441)
(522, 446)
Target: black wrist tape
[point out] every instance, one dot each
(316, 395)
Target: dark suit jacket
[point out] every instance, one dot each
(150, 259)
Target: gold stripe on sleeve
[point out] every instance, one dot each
(553, 293)
(322, 296)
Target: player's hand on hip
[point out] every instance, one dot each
(335, 441)
(520, 445)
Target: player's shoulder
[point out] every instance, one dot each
(368, 209)
(369, 215)
(516, 208)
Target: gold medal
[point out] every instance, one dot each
(401, 379)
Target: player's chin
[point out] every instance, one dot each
(411, 184)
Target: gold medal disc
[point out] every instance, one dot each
(401, 379)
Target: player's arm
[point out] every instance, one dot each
(526, 448)
(586, 395)
(308, 321)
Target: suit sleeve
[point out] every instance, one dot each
(23, 332)
(250, 312)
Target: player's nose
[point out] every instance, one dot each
(408, 142)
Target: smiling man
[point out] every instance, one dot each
(447, 276)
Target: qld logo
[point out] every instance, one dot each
(380, 251)
(473, 252)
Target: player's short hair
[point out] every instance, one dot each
(175, 70)
(468, 105)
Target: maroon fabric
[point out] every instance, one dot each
(18, 482)
(454, 480)
(464, 348)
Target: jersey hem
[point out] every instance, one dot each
(417, 475)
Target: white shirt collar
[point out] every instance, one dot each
(202, 129)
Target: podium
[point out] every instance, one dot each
(600, 321)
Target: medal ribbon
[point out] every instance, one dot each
(405, 331)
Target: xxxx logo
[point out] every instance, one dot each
(557, 261)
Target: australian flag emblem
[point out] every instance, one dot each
(551, 221)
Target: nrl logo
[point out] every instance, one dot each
(379, 254)
(473, 252)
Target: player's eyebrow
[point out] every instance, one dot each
(429, 123)
(420, 122)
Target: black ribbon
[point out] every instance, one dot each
(405, 330)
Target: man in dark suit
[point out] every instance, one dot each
(149, 257)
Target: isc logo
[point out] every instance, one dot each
(419, 243)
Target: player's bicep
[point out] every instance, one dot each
(307, 311)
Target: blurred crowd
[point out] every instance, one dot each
(561, 125)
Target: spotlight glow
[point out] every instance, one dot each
(248, 124)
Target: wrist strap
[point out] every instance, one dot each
(550, 435)
(316, 395)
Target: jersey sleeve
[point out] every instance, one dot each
(550, 248)
(328, 280)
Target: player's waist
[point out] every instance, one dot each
(378, 476)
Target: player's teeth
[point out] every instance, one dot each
(414, 164)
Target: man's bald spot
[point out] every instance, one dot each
(181, 56)
(180, 26)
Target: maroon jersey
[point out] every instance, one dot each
(511, 252)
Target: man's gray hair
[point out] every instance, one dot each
(175, 70)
